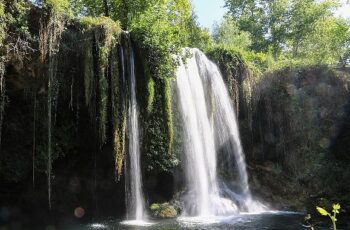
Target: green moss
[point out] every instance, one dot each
(105, 33)
(2, 10)
(168, 113)
(119, 145)
(88, 73)
(164, 210)
(110, 26)
(2, 25)
(103, 89)
(157, 134)
(58, 6)
(233, 56)
(228, 56)
(154, 207)
(150, 96)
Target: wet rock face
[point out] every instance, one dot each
(296, 136)
(294, 126)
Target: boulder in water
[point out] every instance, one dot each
(164, 210)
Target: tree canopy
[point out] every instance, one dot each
(290, 29)
(303, 31)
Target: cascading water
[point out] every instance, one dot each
(209, 126)
(134, 195)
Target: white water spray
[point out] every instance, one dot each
(134, 195)
(210, 125)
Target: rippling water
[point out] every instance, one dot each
(273, 221)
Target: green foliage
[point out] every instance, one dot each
(328, 43)
(250, 16)
(161, 30)
(58, 6)
(294, 32)
(16, 16)
(106, 33)
(273, 23)
(228, 33)
(157, 132)
(232, 57)
(195, 35)
(105, 23)
(2, 27)
(13, 25)
(335, 211)
(154, 206)
(87, 8)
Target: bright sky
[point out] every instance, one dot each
(209, 11)
(345, 10)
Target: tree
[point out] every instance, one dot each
(328, 43)
(228, 33)
(279, 25)
(304, 16)
(251, 17)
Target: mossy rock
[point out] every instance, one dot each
(163, 211)
(155, 207)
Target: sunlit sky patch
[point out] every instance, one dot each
(345, 10)
(211, 11)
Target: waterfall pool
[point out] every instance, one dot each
(268, 220)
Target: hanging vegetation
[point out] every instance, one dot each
(168, 114)
(237, 74)
(150, 96)
(102, 34)
(13, 42)
(118, 100)
(51, 28)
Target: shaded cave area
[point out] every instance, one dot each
(85, 186)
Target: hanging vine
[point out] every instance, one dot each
(119, 145)
(102, 34)
(119, 104)
(51, 27)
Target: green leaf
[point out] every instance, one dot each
(322, 211)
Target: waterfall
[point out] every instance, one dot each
(210, 126)
(134, 195)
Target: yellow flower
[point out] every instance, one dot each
(336, 208)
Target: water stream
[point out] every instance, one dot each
(134, 195)
(210, 126)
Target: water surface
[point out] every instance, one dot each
(272, 221)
